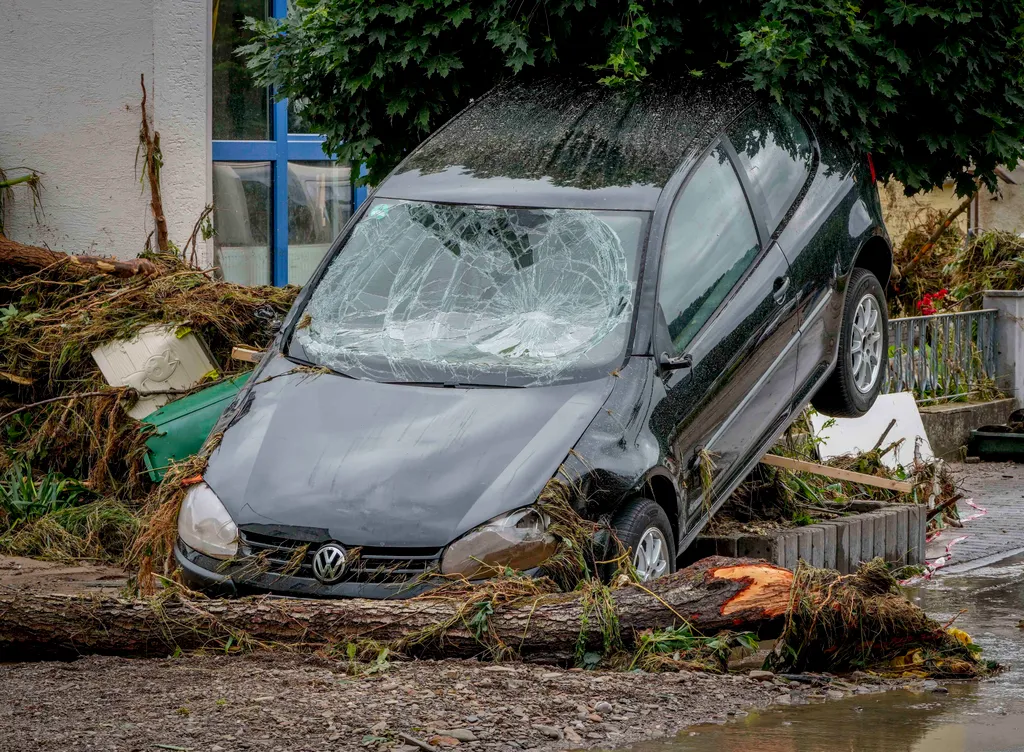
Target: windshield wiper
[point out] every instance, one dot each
(310, 364)
(451, 385)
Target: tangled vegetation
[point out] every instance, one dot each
(863, 621)
(72, 478)
(956, 271)
(773, 497)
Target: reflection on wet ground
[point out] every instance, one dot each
(972, 717)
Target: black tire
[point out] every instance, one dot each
(634, 518)
(840, 396)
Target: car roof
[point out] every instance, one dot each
(569, 141)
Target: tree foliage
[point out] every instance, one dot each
(934, 89)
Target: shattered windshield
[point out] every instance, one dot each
(460, 294)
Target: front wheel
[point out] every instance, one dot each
(645, 532)
(863, 351)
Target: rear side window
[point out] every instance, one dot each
(775, 151)
(710, 243)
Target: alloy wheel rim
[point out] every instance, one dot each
(651, 557)
(866, 344)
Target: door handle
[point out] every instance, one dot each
(780, 289)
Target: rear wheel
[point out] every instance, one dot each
(645, 532)
(863, 351)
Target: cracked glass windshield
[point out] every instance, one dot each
(485, 295)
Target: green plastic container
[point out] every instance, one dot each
(183, 425)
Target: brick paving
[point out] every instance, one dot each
(999, 488)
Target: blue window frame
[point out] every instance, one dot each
(284, 147)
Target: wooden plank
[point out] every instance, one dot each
(246, 353)
(787, 463)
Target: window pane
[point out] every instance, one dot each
(776, 153)
(241, 218)
(241, 110)
(319, 205)
(709, 244)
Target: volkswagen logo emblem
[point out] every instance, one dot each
(329, 563)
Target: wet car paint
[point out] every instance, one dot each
(393, 465)
(367, 463)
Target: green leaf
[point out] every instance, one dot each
(379, 76)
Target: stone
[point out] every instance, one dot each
(463, 735)
(603, 707)
(785, 699)
(761, 675)
(848, 546)
(550, 732)
(830, 531)
(758, 547)
(867, 538)
(835, 694)
(594, 717)
(571, 735)
(444, 741)
(791, 546)
(879, 533)
(902, 542)
(805, 545)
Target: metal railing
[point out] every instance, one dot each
(942, 356)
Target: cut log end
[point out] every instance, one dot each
(767, 588)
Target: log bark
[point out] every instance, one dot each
(30, 258)
(714, 594)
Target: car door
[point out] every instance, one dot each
(779, 158)
(725, 310)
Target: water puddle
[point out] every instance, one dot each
(985, 716)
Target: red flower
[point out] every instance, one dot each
(924, 305)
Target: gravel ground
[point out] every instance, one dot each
(290, 702)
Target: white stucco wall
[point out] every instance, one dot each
(182, 78)
(70, 108)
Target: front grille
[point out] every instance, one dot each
(293, 557)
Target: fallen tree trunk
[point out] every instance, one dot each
(33, 258)
(713, 594)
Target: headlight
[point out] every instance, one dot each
(518, 539)
(205, 525)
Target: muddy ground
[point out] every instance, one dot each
(54, 577)
(290, 702)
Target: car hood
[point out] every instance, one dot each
(392, 465)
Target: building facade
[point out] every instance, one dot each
(70, 108)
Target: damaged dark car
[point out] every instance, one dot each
(570, 280)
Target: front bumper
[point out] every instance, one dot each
(224, 578)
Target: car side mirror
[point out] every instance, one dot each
(675, 362)
(664, 346)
